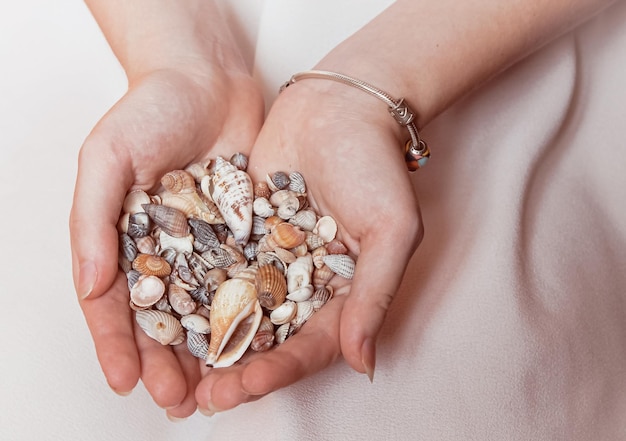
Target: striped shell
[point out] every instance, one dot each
(341, 264)
(151, 265)
(197, 344)
(171, 220)
(178, 181)
(160, 326)
(305, 219)
(271, 286)
(296, 183)
(287, 235)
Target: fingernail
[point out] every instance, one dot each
(212, 408)
(86, 279)
(368, 358)
(173, 418)
(206, 412)
(122, 393)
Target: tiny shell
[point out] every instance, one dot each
(288, 208)
(171, 220)
(336, 246)
(321, 296)
(214, 278)
(180, 244)
(152, 265)
(251, 250)
(240, 161)
(147, 291)
(279, 196)
(139, 224)
(146, 244)
(284, 255)
(299, 273)
(128, 246)
(203, 232)
(201, 295)
(264, 337)
(301, 294)
(287, 235)
(161, 326)
(258, 227)
(263, 208)
(318, 254)
(341, 264)
(281, 180)
(197, 170)
(326, 228)
(322, 275)
(313, 241)
(305, 311)
(180, 300)
(282, 333)
(134, 200)
(305, 219)
(296, 183)
(271, 286)
(196, 323)
(178, 181)
(284, 313)
(132, 276)
(197, 344)
(262, 190)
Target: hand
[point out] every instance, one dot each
(350, 152)
(168, 119)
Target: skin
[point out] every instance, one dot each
(314, 125)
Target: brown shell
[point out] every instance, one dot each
(271, 286)
(271, 222)
(321, 296)
(179, 181)
(171, 220)
(336, 246)
(321, 276)
(262, 190)
(264, 338)
(287, 235)
(151, 265)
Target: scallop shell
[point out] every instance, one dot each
(296, 183)
(240, 161)
(299, 273)
(196, 323)
(197, 344)
(262, 208)
(180, 300)
(287, 235)
(271, 286)
(264, 338)
(171, 220)
(161, 326)
(284, 313)
(203, 232)
(178, 181)
(152, 265)
(233, 195)
(301, 294)
(326, 228)
(305, 219)
(139, 225)
(235, 303)
(341, 264)
(147, 291)
(134, 201)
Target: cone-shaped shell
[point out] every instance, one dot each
(161, 326)
(151, 265)
(171, 220)
(341, 264)
(235, 300)
(271, 287)
(233, 195)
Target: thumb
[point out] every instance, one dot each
(378, 275)
(98, 197)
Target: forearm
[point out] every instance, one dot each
(432, 52)
(148, 35)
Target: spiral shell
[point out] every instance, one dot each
(305, 219)
(287, 235)
(197, 344)
(152, 265)
(299, 273)
(322, 275)
(139, 225)
(203, 233)
(263, 208)
(262, 190)
(313, 241)
(271, 286)
(288, 208)
(197, 170)
(128, 246)
(341, 264)
(264, 338)
(180, 300)
(321, 296)
(178, 181)
(171, 220)
(160, 326)
(318, 256)
(280, 180)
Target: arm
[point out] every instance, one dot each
(430, 52)
(181, 106)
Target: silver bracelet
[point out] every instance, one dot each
(416, 150)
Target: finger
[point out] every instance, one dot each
(111, 327)
(190, 366)
(101, 184)
(377, 277)
(161, 372)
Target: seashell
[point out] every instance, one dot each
(147, 291)
(123, 262)
(305, 219)
(178, 181)
(341, 264)
(169, 254)
(204, 311)
(171, 220)
(151, 265)
(198, 266)
(304, 312)
(183, 271)
(313, 241)
(197, 344)
(321, 296)
(187, 286)
(192, 205)
(220, 257)
(203, 232)
(279, 196)
(262, 208)
(146, 245)
(270, 258)
(301, 294)
(264, 338)
(284, 255)
(132, 276)
(304, 202)
(240, 161)
(271, 222)
(128, 246)
(270, 184)
(300, 250)
(162, 305)
(326, 228)
(336, 246)
(196, 323)
(180, 300)
(248, 274)
(262, 190)
(296, 183)
(200, 247)
(206, 187)
(201, 295)
(322, 275)
(318, 254)
(179, 244)
(161, 326)
(284, 313)
(299, 273)
(282, 333)
(233, 195)
(134, 201)
(221, 231)
(271, 286)
(258, 227)
(122, 223)
(251, 250)
(214, 278)
(266, 244)
(235, 317)
(281, 180)
(197, 171)
(287, 235)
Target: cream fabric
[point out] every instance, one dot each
(511, 321)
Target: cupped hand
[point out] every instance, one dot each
(349, 150)
(168, 119)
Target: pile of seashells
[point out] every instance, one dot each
(224, 264)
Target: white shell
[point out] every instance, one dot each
(296, 183)
(301, 294)
(288, 208)
(263, 208)
(326, 228)
(282, 332)
(147, 291)
(299, 273)
(180, 244)
(133, 201)
(196, 323)
(341, 264)
(160, 326)
(284, 313)
(305, 219)
(180, 300)
(304, 312)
